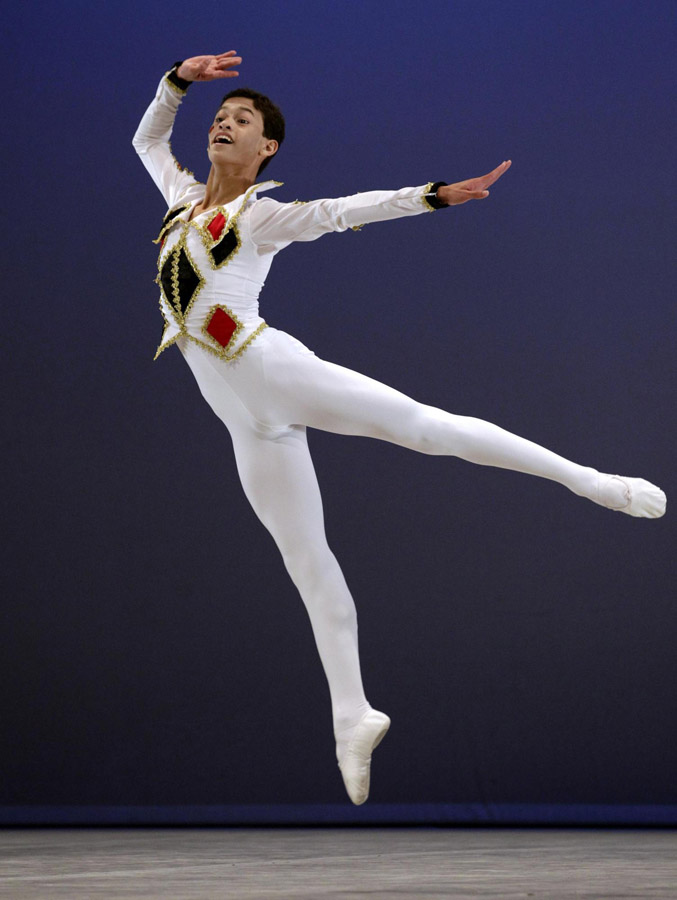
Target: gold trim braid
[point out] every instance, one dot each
(177, 90)
(426, 203)
(239, 325)
(240, 350)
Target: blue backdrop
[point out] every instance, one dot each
(158, 664)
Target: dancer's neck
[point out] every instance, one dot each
(223, 186)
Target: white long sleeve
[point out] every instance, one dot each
(274, 225)
(151, 140)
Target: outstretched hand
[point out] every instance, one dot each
(471, 188)
(207, 68)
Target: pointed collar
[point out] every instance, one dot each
(237, 202)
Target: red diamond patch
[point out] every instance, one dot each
(216, 225)
(221, 327)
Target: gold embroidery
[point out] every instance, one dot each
(221, 355)
(426, 190)
(180, 91)
(178, 164)
(300, 202)
(176, 294)
(177, 209)
(240, 350)
(168, 324)
(358, 227)
(163, 346)
(246, 197)
(210, 241)
(206, 235)
(166, 228)
(234, 335)
(168, 344)
(174, 302)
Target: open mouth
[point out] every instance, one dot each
(222, 139)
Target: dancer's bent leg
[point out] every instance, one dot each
(279, 480)
(330, 397)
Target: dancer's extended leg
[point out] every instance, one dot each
(333, 398)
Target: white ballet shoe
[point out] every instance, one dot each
(356, 764)
(644, 499)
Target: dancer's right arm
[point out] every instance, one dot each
(151, 140)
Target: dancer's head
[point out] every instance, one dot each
(255, 126)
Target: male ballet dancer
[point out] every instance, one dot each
(217, 243)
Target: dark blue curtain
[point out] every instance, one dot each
(158, 664)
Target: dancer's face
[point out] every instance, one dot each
(243, 124)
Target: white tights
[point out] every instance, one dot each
(267, 397)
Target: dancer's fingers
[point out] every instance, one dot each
(496, 173)
(474, 195)
(221, 67)
(468, 194)
(224, 73)
(483, 181)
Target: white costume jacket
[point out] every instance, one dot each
(211, 269)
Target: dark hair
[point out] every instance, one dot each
(273, 120)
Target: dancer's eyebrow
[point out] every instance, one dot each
(237, 107)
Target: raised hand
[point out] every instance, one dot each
(207, 68)
(471, 188)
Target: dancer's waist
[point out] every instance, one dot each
(222, 326)
(215, 326)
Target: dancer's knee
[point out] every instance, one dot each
(318, 577)
(436, 432)
(309, 565)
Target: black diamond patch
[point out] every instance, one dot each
(229, 242)
(173, 213)
(188, 281)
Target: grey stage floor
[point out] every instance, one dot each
(346, 863)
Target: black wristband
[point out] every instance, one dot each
(433, 201)
(181, 84)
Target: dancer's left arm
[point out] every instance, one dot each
(275, 224)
